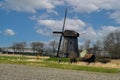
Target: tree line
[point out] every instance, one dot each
(36, 48)
(110, 45)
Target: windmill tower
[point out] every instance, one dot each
(70, 41)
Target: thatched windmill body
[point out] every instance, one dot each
(70, 41)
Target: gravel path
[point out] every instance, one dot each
(23, 72)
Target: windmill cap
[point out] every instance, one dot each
(70, 33)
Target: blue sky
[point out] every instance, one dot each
(34, 20)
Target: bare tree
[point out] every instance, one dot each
(97, 48)
(19, 47)
(22, 46)
(81, 47)
(87, 44)
(112, 44)
(38, 47)
(14, 47)
(1, 50)
(54, 45)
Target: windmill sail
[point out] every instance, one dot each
(70, 42)
(62, 33)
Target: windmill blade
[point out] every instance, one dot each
(62, 33)
(57, 32)
(64, 20)
(59, 45)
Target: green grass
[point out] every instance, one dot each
(53, 64)
(13, 57)
(83, 68)
(56, 59)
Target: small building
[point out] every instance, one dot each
(10, 50)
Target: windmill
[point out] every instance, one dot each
(70, 41)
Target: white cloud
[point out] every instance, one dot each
(89, 6)
(77, 25)
(90, 33)
(86, 6)
(105, 30)
(37, 17)
(115, 16)
(72, 24)
(56, 25)
(82, 5)
(108, 29)
(9, 32)
(52, 11)
(44, 31)
(51, 24)
(94, 35)
(27, 5)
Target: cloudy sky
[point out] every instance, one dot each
(34, 20)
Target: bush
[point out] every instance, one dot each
(72, 57)
(103, 60)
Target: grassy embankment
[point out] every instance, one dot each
(52, 62)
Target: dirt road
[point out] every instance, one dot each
(24, 72)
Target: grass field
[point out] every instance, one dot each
(52, 62)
